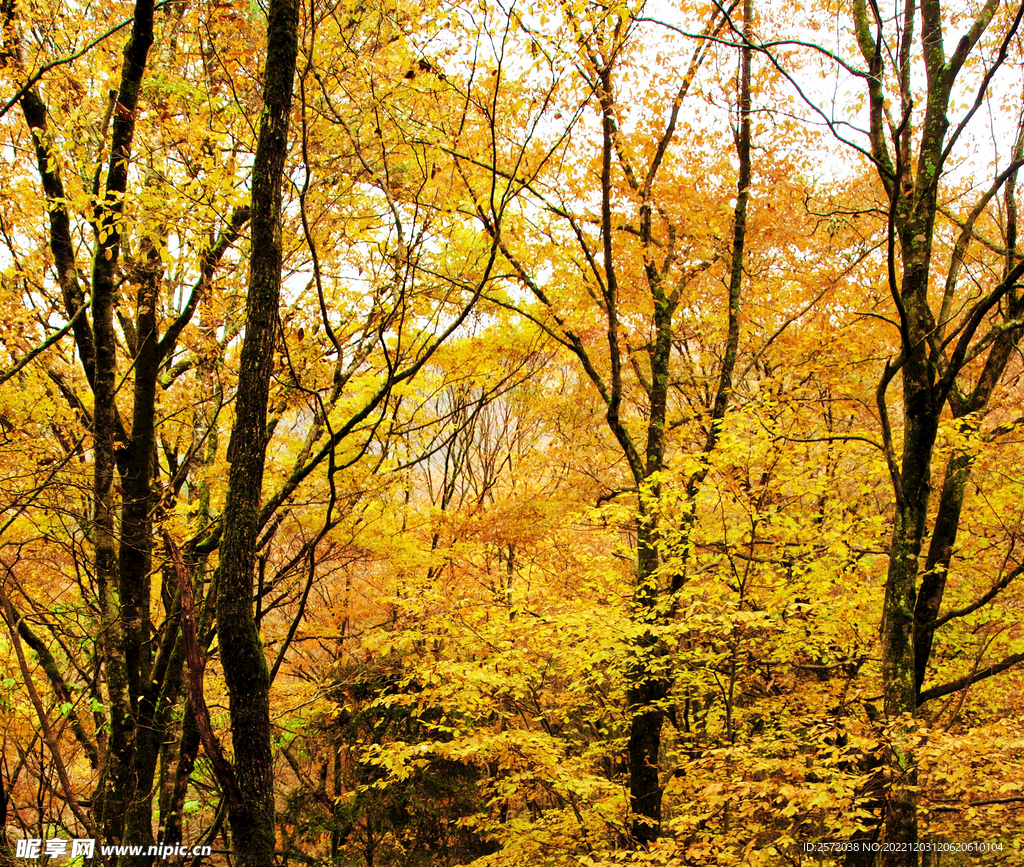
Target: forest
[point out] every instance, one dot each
(579, 432)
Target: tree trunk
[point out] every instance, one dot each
(929, 370)
(119, 594)
(650, 682)
(245, 666)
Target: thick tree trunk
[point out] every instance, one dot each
(121, 814)
(912, 186)
(648, 686)
(135, 555)
(921, 411)
(245, 666)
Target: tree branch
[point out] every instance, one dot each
(971, 679)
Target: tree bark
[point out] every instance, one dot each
(245, 666)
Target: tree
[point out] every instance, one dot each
(245, 666)
(178, 219)
(122, 572)
(941, 332)
(637, 233)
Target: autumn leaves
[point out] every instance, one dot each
(594, 455)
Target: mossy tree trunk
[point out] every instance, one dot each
(933, 350)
